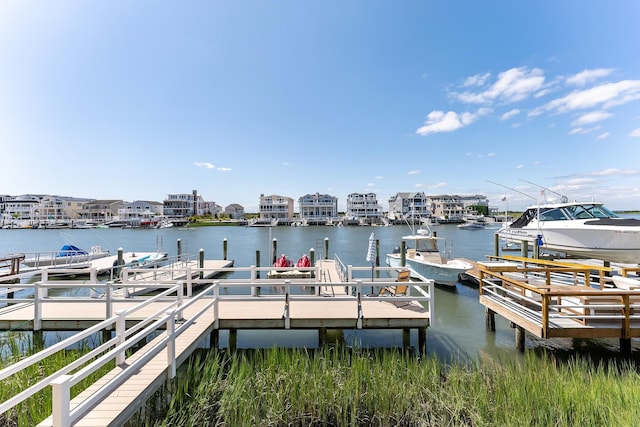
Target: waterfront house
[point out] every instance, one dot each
(318, 207)
(364, 207)
(411, 206)
(276, 207)
(101, 210)
(234, 211)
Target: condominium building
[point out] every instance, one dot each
(275, 207)
(363, 206)
(318, 206)
(414, 205)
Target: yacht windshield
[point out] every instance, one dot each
(588, 212)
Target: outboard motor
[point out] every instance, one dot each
(396, 250)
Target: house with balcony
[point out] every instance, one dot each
(184, 205)
(101, 210)
(275, 207)
(141, 213)
(448, 208)
(318, 207)
(364, 208)
(409, 206)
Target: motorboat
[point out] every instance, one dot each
(67, 256)
(471, 225)
(626, 283)
(583, 229)
(423, 257)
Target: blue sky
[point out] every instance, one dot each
(136, 99)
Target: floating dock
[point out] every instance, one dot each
(175, 321)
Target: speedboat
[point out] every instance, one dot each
(68, 255)
(471, 225)
(583, 229)
(423, 257)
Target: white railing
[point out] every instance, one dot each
(173, 305)
(115, 348)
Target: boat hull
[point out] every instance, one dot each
(442, 274)
(608, 243)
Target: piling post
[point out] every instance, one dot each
(422, 340)
(224, 249)
(520, 335)
(201, 263)
(322, 337)
(257, 264)
(406, 338)
(233, 339)
(274, 250)
(214, 339)
(625, 346)
(524, 249)
(490, 319)
(120, 261)
(312, 257)
(326, 248)
(403, 253)
(496, 245)
(179, 244)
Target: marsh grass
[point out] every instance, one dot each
(36, 408)
(329, 387)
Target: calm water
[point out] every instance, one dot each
(458, 326)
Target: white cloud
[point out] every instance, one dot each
(587, 76)
(635, 133)
(604, 96)
(437, 185)
(512, 85)
(510, 114)
(477, 80)
(224, 169)
(413, 172)
(439, 121)
(204, 165)
(603, 135)
(592, 117)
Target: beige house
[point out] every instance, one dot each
(276, 207)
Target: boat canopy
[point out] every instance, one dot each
(422, 243)
(71, 250)
(563, 212)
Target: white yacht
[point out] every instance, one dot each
(584, 229)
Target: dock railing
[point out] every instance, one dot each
(111, 350)
(549, 299)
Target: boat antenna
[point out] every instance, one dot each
(564, 199)
(513, 189)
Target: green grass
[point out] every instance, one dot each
(31, 411)
(385, 387)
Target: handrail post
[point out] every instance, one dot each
(180, 292)
(432, 294)
(61, 405)
(359, 293)
(171, 345)
(120, 335)
(287, 317)
(216, 304)
(37, 307)
(252, 278)
(545, 315)
(109, 299)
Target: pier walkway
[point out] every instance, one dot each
(555, 300)
(176, 320)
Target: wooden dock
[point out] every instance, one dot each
(330, 301)
(558, 300)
